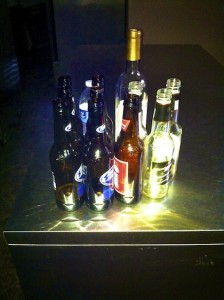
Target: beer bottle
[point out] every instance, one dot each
(97, 95)
(158, 149)
(98, 160)
(174, 84)
(65, 160)
(128, 151)
(65, 92)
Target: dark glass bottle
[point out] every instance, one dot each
(66, 160)
(128, 151)
(64, 92)
(98, 161)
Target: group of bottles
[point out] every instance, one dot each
(81, 157)
(144, 164)
(91, 162)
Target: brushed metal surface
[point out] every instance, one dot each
(193, 211)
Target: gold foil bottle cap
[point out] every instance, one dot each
(133, 44)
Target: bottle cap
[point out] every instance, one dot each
(133, 44)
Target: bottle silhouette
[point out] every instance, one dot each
(158, 149)
(131, 73)
(98, 161)
(128, 151)
(174, 84)
(66, 156)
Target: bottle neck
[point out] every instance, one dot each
(161, 127)
(161, 118)
(174, 109)
(132, 67)
(59, 122)
(129, 126)
(96, 120)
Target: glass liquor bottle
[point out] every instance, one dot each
(128, 151)
(158, 149)
(131, 73)
(174, 84)
(98, 161)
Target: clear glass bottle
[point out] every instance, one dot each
(128, 152)
(158, 149)
(131, 73)
(174, 85)
(83, 104)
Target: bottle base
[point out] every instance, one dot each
(127, 200)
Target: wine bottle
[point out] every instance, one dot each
(131, 73)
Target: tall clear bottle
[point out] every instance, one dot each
(158, 149)
(128, 152)
(174, 84)
(65, 161)
(131, 73)
(98, 160)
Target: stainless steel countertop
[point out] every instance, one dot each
(193, 211)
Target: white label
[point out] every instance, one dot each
(101, 129)
(53, 178)
(68, 127)
(176, 105)
(118, 118)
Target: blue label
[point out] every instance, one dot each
(84, 115)
(107, 192)
(107, 178)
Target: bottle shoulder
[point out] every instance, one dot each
(175, 128)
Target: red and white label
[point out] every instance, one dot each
(125, 124)
(120, 176)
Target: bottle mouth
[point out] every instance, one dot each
(173, 83)
(163, 96)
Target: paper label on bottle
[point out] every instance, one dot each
(144, 109)
(80, 177)
(120, 176)
(101, 129)
(118, 118)
(107, 178)
(125, 124)
(81, 173)
(176, 105)
(68, 127)
(160, 173)
(83, 114)
(53, 179)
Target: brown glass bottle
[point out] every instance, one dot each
(128, 152)
(66, 163)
